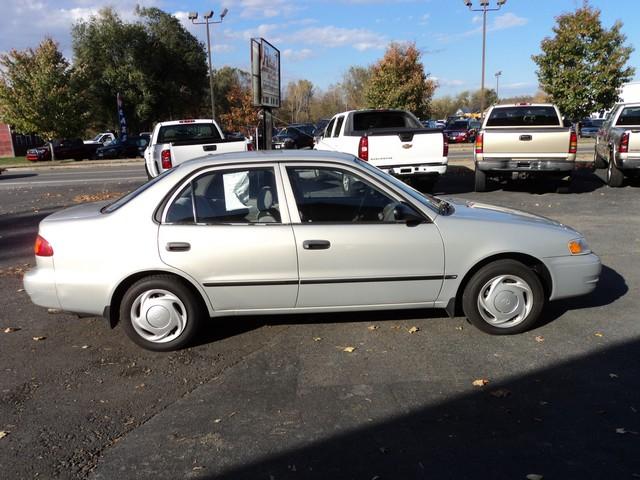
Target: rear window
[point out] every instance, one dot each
(188, 131)
(379, 120)
(629, 116)
(523, 117)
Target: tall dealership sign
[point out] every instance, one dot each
(121, 119)
(265, 81)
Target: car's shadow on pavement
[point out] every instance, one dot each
(18, 233)
(610, 288)
(460, 179)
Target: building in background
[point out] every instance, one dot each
(14, 144)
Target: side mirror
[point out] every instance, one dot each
(407, 214)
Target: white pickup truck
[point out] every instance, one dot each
(392, 140)
(101, 139)
(177, 141)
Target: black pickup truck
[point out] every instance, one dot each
(63, 149)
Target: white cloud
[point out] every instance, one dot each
(500, 22)
(332, 37)
(297, 55)
(261, 8)
(508, 20)
(446, 82)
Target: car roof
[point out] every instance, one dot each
(269, 156)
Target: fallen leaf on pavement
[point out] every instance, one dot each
(217, 420)
(349, 349)
(500, 393)
(97, 197)
(599, 334)
(414, 330)
(53, 310)
(459, 327)
(372, 327)
(317, 339)
(539, 339)
(37, 339)
(196, 468)
(11, 329)
(3, 434)
(480, 382)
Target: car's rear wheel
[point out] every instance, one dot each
(503, 298)
(615, 177)
(480, 181)
(160, 313)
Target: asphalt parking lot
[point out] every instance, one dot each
(285, 397)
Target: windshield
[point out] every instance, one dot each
(433, 203)
(97, 138)
(112, 207)
(459, 124)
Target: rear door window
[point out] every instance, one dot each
(629, 116)
(338, 126)
(523, 116)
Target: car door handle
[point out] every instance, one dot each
(316, 244)
(178, 247)
(526, 138)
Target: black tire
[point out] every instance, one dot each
(480, 181)
(615, 177)
(477, 286)
(192, 315)
(598, 161)
(424, 183)
(146, 169)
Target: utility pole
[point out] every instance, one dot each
(484, 8)
(193, 16)
(498, 73)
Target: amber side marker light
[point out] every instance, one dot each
(42, 248)
(577, 247)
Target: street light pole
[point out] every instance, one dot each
(498, 73)
(484, 8)
(207, 21)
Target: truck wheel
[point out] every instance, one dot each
(503, 298)
(146, 169)
(598, 161)
(615, 177)
(480, 181)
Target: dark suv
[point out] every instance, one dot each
(460, 131)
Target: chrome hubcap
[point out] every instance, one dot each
(158, 316)
(505, 301)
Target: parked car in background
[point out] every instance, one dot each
(132, 147)
(589, 127)
(276, 233)
(429, 124)
(63, 149)
(101, 139)
(294, 136)
(177, 141)
(522, 141)
(618, 144)
(459, 131)
(392, 140)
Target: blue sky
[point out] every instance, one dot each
(320, 40)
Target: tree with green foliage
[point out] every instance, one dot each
(354, 85)
(155, 64)
(582, 67)
(39, 92)
(398, 80)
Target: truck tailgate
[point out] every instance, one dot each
(406, 148)
(181, 152)
(532, 142)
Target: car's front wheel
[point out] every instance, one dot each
(160, 313)
(503, 298)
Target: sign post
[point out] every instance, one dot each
(265, 82)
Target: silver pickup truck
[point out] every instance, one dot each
(524, 140)
(618, 143)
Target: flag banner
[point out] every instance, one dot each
(123, 121)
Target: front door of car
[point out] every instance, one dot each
(226, 229)
(353, 248)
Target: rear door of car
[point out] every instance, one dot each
(351, 252)
(222, 230)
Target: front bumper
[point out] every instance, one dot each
(573, 275)
(525, 165)
(40, 284)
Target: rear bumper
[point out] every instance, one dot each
(525, 165)
(629, 161)
(416, 170)
(573, 275)
(40, 284)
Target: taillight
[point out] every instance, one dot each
(480, 142)
(250, 147)
(573, 142)
(43, 248)
(445, 146)
(165, 157)
(363, 148)
(624, 143)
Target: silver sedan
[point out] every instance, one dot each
(300, 231)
